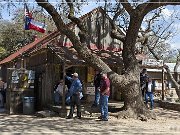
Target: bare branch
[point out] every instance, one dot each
(53, 12)
(154, 4)
(176, 66)
(83, 33)
(126, 5)
(114, 33)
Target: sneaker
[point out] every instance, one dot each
(69, 117)
(79, 117)
(100, 117)
(104, 119)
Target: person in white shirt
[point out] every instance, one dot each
(149, 93)
(58, 92)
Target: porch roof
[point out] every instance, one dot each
(26, 48)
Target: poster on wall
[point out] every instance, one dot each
(15, 77)
(90, 75)
(31, 76)
(23, 79)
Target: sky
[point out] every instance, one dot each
(167, 12)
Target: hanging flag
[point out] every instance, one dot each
(34, 25)
(27, 13)
(28, 17)
(30, 23)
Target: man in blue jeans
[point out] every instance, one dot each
(104, 96)
(149, 93)
(97, 80)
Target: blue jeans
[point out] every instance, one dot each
(150, 96)
(104, 106)
(97, 96)
(57, 98)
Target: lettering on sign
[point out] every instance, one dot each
(90, 90)
(152, 62)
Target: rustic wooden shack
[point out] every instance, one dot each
(52, 56)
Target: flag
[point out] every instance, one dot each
(38, 26)
(27, 13)
(30, 23)
(28, 17)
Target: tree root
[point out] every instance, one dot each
(142, 114)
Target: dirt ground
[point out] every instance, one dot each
(168, 122)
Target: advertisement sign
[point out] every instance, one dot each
(152, 62)
(90, 90)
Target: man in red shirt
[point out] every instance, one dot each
(104, 96)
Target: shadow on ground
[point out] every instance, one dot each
(22, 124)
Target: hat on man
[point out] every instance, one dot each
(75, 74)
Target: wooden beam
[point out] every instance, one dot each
(162, 83)
(63, 98)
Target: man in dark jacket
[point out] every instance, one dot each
(97, 80)
(143, 81)
(75, 93)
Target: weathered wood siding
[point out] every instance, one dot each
(99, 29)
(37, 59)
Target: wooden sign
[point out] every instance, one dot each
(90, 91)
(152, 62)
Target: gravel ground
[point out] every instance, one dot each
(168, 122)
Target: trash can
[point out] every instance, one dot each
(28, 105)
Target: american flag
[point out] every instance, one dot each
(30, 23)
(27, 13)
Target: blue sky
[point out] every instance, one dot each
(175, 42)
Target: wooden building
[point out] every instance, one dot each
(53, 56)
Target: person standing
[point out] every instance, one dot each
(75, 93)
(143, 81)
(58, 92)
(104, 96)
(97, 80)
(149, 93)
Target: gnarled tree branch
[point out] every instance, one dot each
(114, 33)
(126, 5)
(83, 30)
(154, 4)
(81, 48)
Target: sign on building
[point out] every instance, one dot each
(152, 62)
(90, 90)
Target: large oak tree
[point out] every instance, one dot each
(129, 81)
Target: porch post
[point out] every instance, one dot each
(64, 73)
(163, 82)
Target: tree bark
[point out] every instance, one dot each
(133, 104)
(177, 86)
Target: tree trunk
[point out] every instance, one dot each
(177, 86)
(133, 105)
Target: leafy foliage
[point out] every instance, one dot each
(13, 36)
